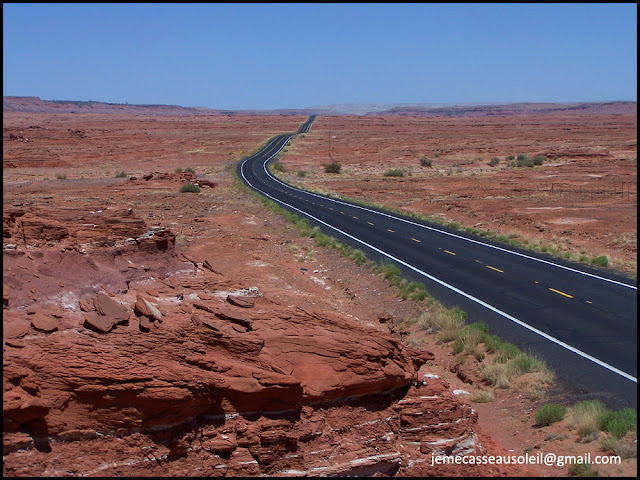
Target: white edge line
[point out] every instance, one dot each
(448, 233)
(451, 287)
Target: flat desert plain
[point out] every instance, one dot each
(139, 321)
(581, 203)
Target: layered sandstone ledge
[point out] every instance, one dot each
(133, 359)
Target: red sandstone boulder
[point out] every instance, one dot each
(241, 301)
(143, 306)
(43, 322)
(110, 308)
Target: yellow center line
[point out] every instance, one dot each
(355, 217)
(496, 269)
(450, 253)
(389, 230)
(416, 240)
(561, 293)
(588, 301)
(370, 223)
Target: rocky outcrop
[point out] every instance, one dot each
(270, 389)
(136, 369)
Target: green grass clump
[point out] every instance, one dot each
(592, 416)
(426, 162)
(622, 422)
(189, 188)
(394, 172)
(121, 174)
(494, 161)
(549, 413)
(601, 261)
(61, 176)
(190, 170)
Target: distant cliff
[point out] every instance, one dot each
(37, 105)
(607, 108)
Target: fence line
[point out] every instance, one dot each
(623, 191)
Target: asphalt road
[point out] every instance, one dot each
(582, 322)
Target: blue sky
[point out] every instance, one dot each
(264, 56)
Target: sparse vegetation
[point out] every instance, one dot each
(178, 170)
(549, 413)
(278, 166)
(582, 470)
(61, 176)
(333, 167)
(394, 172)
(615, 446)
(121, 174)
(494, 162)
(190, 170)
(189, 188)
(483, 396)
(426, 162)
(601, 261)
(590, 417)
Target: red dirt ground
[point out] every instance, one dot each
(583, 199)
(252, 246)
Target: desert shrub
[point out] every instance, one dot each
(190, 170)
(601, 261)
(389, 271)
(496, 374)
(524, 363)
(121, 174)
(492, 343)
(524, 162)
(506, 351)
(419, 295)
(333, 167)
(189, 188)
(582, 470)
(494, 161)
(622, 422)
(549, 413)
(510, 158)
(584, 259)
(588, 417)
(426, 162)
(522, 156)
(539, 159)
(302, 173)
(178, 170)
(61, 176)
(394, 172)
(483, 396)
(278, 166)
(616, 447)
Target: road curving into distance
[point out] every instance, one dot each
(582, 322)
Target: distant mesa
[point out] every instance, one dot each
(37, 105)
